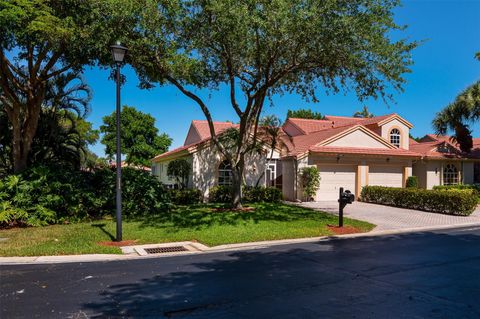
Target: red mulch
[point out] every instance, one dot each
(343, 230)
(118, 243)
(245, 209)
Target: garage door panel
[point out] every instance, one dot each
(388, 176)
(332, 177)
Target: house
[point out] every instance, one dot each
(349, 152)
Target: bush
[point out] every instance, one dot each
(220, 194)
(310, 181)
(412, 182)
(475, 188)
(185, 196)
(251, 194)
(254, 194)
(47, 195)
(460, 202)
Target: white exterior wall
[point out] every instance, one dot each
(289, 179)
(434, 174)
(205, 168)
(405, 131)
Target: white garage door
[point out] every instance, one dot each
(332, 177)
(389, 176)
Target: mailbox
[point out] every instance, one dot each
(347, 197)
(344, 198)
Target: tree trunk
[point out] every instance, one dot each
(237, 174)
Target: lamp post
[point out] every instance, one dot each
(118, 54)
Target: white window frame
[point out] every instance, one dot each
(224, 174)
(395, 137)
(451, 175)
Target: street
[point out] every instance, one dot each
(414, 275)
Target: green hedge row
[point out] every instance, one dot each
(460, 202)
(223, 194)
(475, 188)
(185, 196)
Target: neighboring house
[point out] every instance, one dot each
(443, 163)
(349, 152)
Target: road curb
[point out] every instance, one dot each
(38, 260)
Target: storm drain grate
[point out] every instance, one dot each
(164, 250)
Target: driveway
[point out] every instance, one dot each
(392, 218)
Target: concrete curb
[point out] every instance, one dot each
(202, 249)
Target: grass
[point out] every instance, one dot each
(203, 223)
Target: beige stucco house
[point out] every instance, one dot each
(349, 152)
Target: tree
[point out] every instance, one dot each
(364, 113)
(41, 39)
(63, 134)
(458, 115)
(179, 169)
(305, 114)
(263, 48)
(140, 140)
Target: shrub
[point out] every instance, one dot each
(220, 194)
(460, 202)
(185, 196)
(255, 194)
(412, 182)
(251, 194)
(310, 181)
(47, 195)
(179, 170)
(475, 188)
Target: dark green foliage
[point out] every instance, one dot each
(185, 196)
(310, 177)
(262, 194)
(220, 194)
(364, 113)
(179, 170)
(49, 195)
(459, 202)
(251, 194)
(139, 136)
(304, 114)
(412, 182)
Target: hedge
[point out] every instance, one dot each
(460, 202)
(251, 194)
(185, 196)
(475, 188)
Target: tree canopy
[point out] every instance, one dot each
(364, 113)
(304, 114)
(262, 48)
(41, 39)
(140, 140)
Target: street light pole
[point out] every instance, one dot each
(119, 161)
(118, 53)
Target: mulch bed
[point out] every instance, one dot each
(117, 243)
(343, 230)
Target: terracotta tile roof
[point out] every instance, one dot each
(363, 151)
(302, 143)
(204, 131)
(430, 149)
(308, 126)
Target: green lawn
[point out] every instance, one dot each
(205, 224)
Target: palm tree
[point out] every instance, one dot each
(457, 117)
(364, 113)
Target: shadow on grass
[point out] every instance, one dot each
(102, 228)
(200, 216)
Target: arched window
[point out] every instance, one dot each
(225, 174)
(395, 137)
(450, 175)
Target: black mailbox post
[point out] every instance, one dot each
(345, 197)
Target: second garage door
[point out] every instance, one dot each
(332, 177)
(389, 176)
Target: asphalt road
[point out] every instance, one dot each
(419, 275)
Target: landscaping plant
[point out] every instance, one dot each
(412, 182)
(310, 177)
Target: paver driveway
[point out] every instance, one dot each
(392, 218)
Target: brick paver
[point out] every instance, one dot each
(392, 218)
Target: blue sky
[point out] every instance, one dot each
(444, 66)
